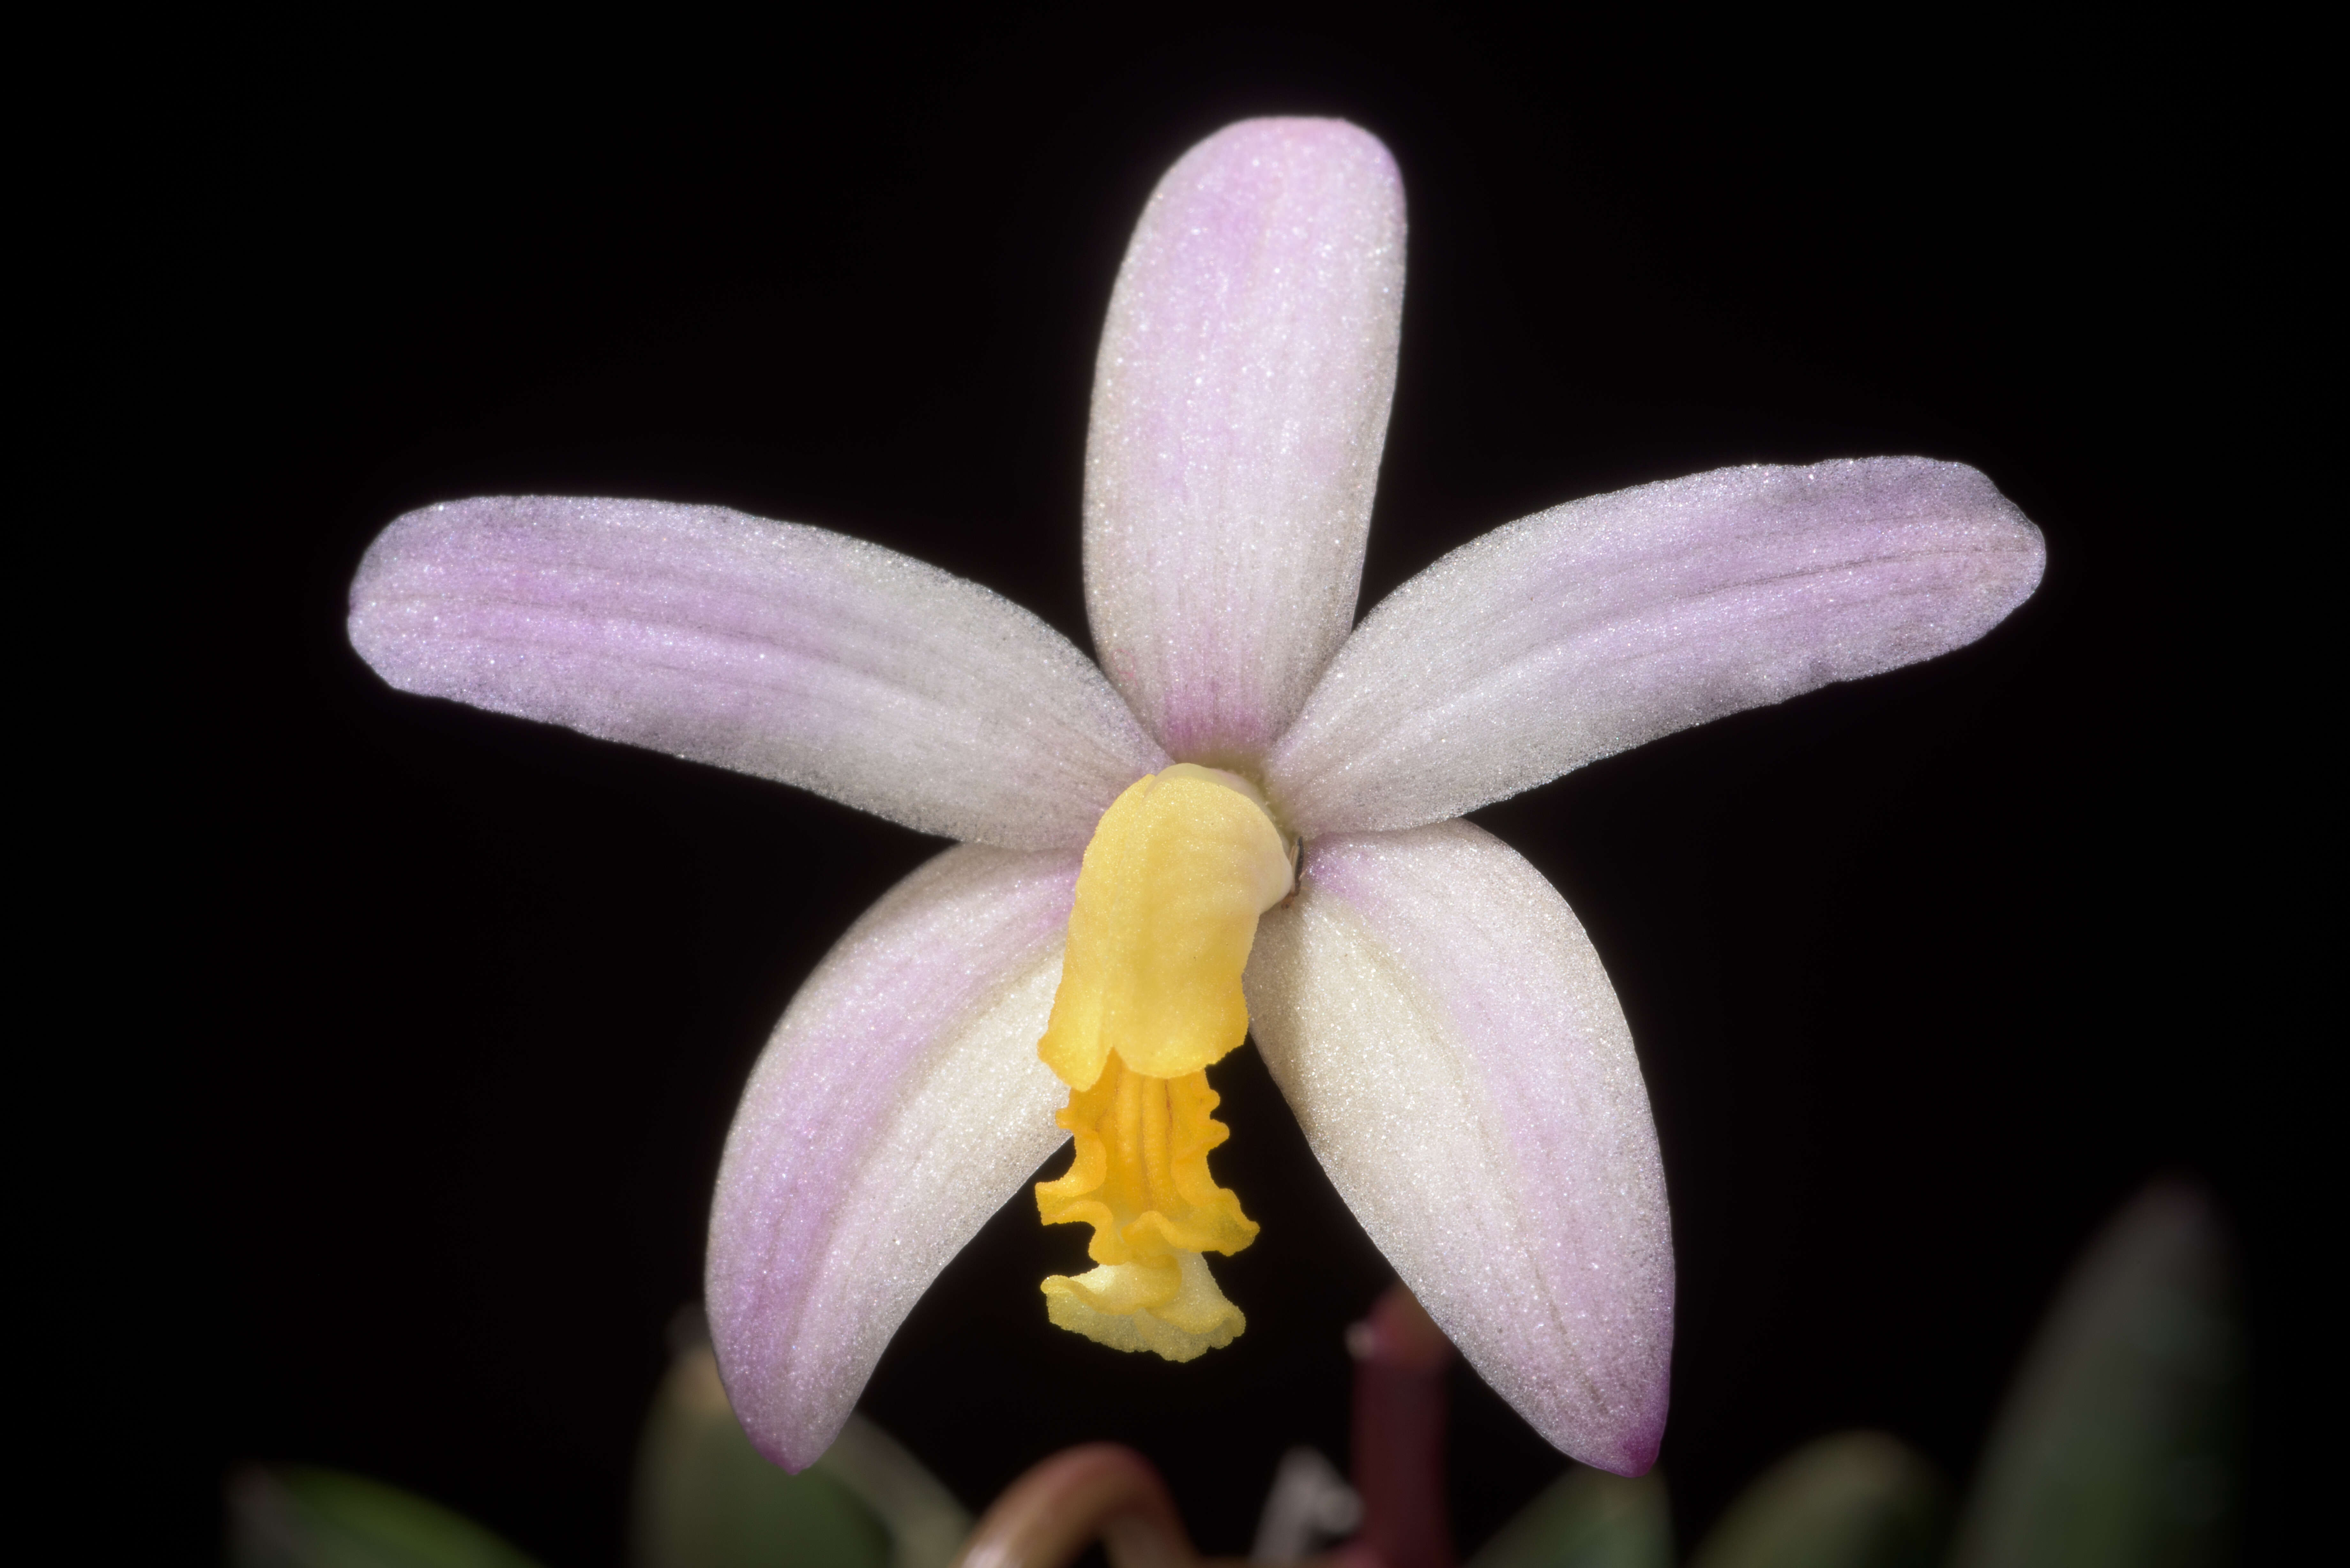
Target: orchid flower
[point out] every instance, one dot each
(1247, 817)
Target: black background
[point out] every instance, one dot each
(1920, 969)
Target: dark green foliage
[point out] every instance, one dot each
(1856, 1499)
(1588, 1519)
(299, 1516)
(2119, 1442)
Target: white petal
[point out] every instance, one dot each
(1599, 625)
(1240, 405)
(899, 1103)
(1453, 1050)
(768, 648)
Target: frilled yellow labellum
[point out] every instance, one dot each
(1167, 904)
(1141, 1179)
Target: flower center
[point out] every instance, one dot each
(1180, 869)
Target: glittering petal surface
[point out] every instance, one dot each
(899, 1103)
(1239, 403)
(1601, 624)
(769, 648)
(1445, 1033)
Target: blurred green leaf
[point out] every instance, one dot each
(927, 1526)
(1587, 1518)
(298, 1516)
(2119, 1441)
(706, 1499)
(1856, 1499)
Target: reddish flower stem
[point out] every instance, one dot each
(1107, 1492)
(1400, 1357)
(1101, 1491)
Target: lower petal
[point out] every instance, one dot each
(1451, 1046)
(899, 1103)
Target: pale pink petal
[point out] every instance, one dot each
(1240, 404)
(769, 648)
(1598, 625)
(1450, 1044)
(899, 1103)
